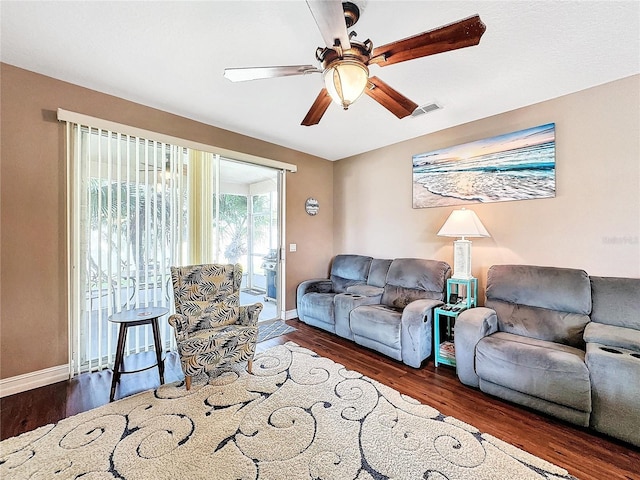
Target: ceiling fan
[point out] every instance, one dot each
(345, 61)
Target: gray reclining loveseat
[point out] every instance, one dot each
(556, 340)
(388, 308)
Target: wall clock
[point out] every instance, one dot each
(311, 206)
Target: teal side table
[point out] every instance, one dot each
(461, 295)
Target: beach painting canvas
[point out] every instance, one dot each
(515, 166)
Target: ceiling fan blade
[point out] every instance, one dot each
(318, 108)
(389, 98)
(464, 33)
(257, 73)
(329, 17)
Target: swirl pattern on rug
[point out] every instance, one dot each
(299, 416)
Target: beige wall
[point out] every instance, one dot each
(33, 291)
(365, 201)
(593, 223)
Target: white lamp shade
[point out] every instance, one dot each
(345, 81)
(463, 223)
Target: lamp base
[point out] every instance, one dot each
(462, 260)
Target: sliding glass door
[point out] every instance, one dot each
(248, 229)
(138, 207)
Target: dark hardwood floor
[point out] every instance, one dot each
(585, 454)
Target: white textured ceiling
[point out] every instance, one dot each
(171, 56)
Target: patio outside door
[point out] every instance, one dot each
(249, 228)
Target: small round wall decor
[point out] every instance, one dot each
(311, 206)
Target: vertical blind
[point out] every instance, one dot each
(138, 202)
(129, 214)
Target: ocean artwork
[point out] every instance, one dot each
(515, 166)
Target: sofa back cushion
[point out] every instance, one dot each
(411, 279)
(349, 270)
(546, 303)
(616, 301)
(378, 272)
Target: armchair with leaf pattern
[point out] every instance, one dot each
(212, 329)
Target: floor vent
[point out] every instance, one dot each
(422, 109)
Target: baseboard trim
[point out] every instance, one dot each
(289, 314)
(31, 380)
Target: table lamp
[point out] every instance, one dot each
(462, 223)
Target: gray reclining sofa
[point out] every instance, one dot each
(559, 341)
(386, 305)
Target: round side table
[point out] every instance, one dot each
(132, 318)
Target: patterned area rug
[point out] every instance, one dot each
(273, 328)
(300, 416)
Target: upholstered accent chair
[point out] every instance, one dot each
(212, 329)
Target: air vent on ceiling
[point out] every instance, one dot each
(426, 108)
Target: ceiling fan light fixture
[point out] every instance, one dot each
(345, 81)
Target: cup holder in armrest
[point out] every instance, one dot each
(352, 295)
(611, 350)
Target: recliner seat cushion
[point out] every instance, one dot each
(377, 322)
(318, 306)
(547, 370)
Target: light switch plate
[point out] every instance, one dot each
(293, 247)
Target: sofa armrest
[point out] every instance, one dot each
(612, 336)
(471, 326)
(248, 314)
(319, 285)
(416, 331)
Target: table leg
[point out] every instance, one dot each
(158, 344)
(117, 367)
(436, 339)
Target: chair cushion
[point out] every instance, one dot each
(209, 282)
(541, 323)
(216, 346)
(546, 370)
(378, 272)
(349, 270)
(546, 303)
(562, 289)
(377, 322)
(211, 314)
(411, 279)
